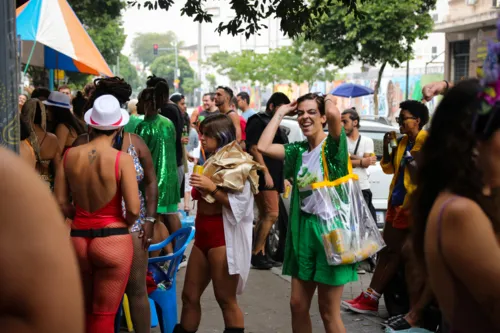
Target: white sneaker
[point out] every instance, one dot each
(183, 263)
(361, 271)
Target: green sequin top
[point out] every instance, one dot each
(337, 156)
(158, 133)
(132, 123)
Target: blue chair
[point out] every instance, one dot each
(163, 303)
(166, 300)
(186, 221)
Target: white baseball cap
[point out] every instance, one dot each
(59, 99)
(106, 114)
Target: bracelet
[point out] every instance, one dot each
(214, 191)
(447, 86)
(150, 219)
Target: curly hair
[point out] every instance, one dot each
(417, 110)
(447, 161)
(79, 103)
(114, 86)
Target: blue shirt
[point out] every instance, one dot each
(399, 191)
(248, 113)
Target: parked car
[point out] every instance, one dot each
(379, 181)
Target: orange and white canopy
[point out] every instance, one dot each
(61, 39)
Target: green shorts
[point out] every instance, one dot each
(309, 263)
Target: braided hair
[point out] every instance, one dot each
(114, 86)
(31, 109)
(161, 90)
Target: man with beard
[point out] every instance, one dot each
(271, 180)
(223, 97)
(209, 109)
(361, 151)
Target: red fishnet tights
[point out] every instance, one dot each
(105, 266)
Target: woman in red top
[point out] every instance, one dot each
(98, 176)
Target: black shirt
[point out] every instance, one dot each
(255, 127)
(172, 112)
(206, 113)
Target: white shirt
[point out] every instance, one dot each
(315, 202)
(238, 228)
(365, 147)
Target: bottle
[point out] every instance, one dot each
(287, 192)
(393, 142)
(198, 170)
(337, 241)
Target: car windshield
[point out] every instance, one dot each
(378, 140)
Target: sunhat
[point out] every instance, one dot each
(59, 99)
(106, 114)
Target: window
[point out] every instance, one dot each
(434, 50)
(460, 60)
(496, 3)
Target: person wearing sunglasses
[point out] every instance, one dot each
(413, 116)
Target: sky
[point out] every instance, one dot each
(144, 20)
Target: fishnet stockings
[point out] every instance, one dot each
(105, 266)
(136, 288)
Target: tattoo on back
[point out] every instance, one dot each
(92, 156)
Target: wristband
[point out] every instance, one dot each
(214, 192)
(447, 87)
(150, 219)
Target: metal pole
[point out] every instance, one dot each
(118, 65)
(9, 72)
(200, 59)
(407, 77)
(176, 64)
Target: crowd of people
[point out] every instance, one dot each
(119, 169)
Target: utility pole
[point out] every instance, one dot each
(117, 65)
(176, 70)
(200, 60)
(407, 76)
(9, 74)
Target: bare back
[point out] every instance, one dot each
(94, 173)
(91, 175)
(462, 254)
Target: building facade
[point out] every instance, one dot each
(468, 27)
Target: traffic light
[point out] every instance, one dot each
(155, 49)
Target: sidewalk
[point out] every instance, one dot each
(265, 304)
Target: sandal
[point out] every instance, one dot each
(400, 324)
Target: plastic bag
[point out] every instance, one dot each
(348, 230)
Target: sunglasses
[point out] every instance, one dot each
(401, 120)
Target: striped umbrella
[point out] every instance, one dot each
(53, 37)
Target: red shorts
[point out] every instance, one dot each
(209, 232)
(398, 217)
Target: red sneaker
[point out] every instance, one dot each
(352, 301)
(364, 304)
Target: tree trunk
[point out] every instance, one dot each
(377, 86)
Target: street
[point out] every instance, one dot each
(265, 304)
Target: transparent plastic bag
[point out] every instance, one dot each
(348, 231)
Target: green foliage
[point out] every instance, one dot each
(385, 34)
(297, 63)
(295, 15)
(190, 84)
(142, 45)
(101, 18)
(128, 72)
(164, 66)
(212, 81)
